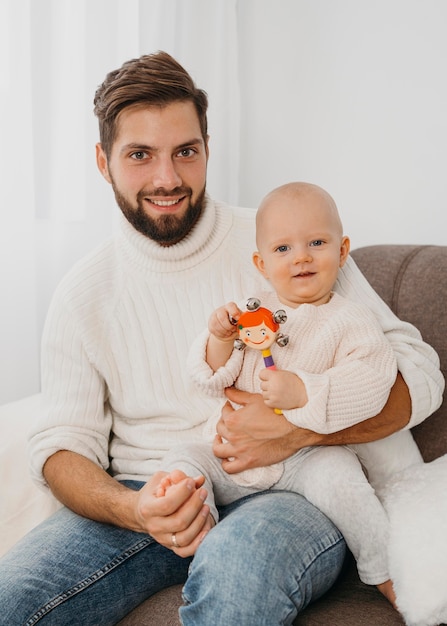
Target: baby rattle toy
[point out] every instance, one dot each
(259, 328)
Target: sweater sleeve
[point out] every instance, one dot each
(416, 360)
(67, 376)
(357, 386)
(206, 380)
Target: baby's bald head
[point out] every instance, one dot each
(297, 199)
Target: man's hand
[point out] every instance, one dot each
(282, 389)
(175, 515)
(87, 489)
(252, 436)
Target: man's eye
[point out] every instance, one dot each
(186, 152)
(139, 155)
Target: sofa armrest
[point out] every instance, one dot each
(22, 504)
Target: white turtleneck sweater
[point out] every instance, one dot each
(114, 381)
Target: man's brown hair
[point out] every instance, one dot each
(150, 80)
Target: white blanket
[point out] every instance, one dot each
(416, 502)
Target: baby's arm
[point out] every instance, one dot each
(223, 332)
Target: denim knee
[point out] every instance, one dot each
(270, 556)
(71, 570)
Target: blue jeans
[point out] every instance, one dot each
(270, 556)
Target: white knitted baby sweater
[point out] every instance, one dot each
(339, 351)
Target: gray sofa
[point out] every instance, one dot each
(413, 282)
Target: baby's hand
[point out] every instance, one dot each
(174, 478)
(222, 323)
(164, 485)
(282, 389)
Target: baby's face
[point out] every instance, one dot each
(300, 246)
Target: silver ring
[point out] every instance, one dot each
(174, 541)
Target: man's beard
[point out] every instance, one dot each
(166, 229)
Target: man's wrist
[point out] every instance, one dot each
(299, 438)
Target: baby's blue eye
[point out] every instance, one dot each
(317, 242)
(283, 248)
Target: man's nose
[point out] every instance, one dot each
(165, 174)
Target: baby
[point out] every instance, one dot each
(337, 369)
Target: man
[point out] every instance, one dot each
(116, 397)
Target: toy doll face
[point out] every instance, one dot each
(258, 337)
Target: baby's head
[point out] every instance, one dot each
(300, 243)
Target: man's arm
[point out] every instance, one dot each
(394, 416)
(88, 490)
(255, 436)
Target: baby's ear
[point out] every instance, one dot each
(344, 250)
(259, 263)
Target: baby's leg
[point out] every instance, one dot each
(333, 480)
(384, 458)
(198, 460)
(388, 591)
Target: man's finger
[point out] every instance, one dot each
(237, 396)
(227, 409)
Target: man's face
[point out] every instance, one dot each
(157, 168)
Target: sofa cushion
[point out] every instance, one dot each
(413, 282)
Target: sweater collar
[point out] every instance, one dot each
(203, 240)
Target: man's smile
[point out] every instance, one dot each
(164, 205)
(164, 202)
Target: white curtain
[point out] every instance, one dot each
(55, 206)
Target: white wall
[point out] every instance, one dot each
(351, 95)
